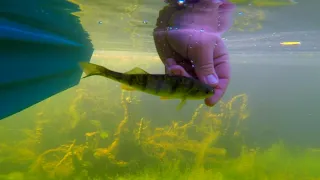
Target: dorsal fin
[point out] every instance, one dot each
(137, 70)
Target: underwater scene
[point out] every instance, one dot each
(266, 127)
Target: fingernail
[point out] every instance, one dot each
(212, 80)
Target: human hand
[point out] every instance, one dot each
(197, 50)
(212, 70)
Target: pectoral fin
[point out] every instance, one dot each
(165, 98)
(181, 104)
(137, 70)
(127, 88)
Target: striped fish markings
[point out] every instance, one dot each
(165, 86)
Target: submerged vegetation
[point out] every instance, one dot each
(251, 15)
(92, 136)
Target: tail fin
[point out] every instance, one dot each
(93, 69)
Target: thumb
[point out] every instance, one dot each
(206, 73)
(202, 55)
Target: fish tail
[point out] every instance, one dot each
(92, 69)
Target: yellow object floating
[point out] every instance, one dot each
(290, 43)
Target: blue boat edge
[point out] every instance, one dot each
(41, 44)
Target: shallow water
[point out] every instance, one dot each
(97, 131)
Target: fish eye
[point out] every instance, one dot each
(208, 91)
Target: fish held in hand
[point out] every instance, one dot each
(163, 85)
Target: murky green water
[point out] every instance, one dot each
(265, 128)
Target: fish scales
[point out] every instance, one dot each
(169, 86)
(158, 84)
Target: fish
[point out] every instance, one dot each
(163, 85)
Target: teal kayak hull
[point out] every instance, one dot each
(41, 44)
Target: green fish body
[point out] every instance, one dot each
(169, 86)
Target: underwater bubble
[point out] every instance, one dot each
(192, 63)
(181, 2)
